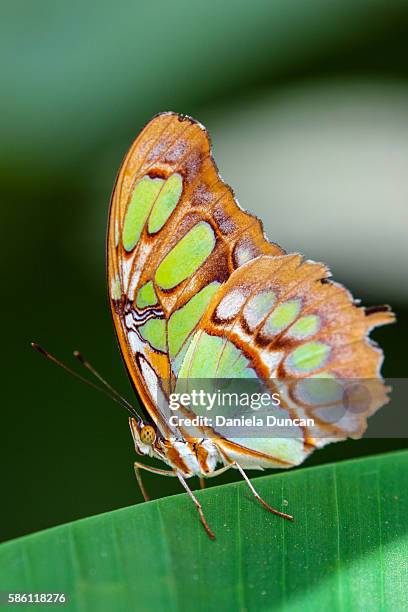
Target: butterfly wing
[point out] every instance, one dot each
(282, 320)
(197, 291)
(175, 235)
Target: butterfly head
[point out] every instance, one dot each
(143, 434)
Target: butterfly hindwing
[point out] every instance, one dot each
(282, 320)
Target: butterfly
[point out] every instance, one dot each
(197, 291)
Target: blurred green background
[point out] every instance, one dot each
(307, 106)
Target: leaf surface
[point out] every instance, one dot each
(346, 550)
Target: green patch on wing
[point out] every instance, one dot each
(154, 331)
(214, 357)
(166, 202)
(183, 321)
(146, 296)
(281, 317)
(289, 449)
(177, 362)
(304, 327)
(258, 307)
(186, 256)
(143, 198)
(308, 357)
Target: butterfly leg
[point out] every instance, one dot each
(140, 466)
(202, 483)
(258, 497)
(197, 505)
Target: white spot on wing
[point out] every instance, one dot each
(152, 383)
(257, 308)
(243, 253)
(116, 290)
(135, 342)
(242, 334)
(272, 359)
(230, 305)
(126, 264)
(142, 255)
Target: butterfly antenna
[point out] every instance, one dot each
(107, 389)
(113, 391)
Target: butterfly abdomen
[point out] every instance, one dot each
(191, 458)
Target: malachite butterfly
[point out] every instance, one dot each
(197, 291)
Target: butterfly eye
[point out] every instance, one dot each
(147, 435)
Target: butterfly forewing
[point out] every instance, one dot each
(175, 236)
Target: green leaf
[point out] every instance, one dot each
(346, 550)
